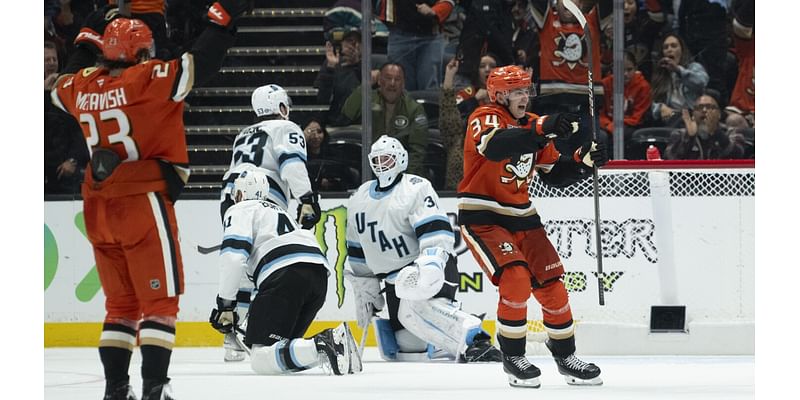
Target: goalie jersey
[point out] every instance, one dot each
(259, 239)
(279, 147)
(387, 230)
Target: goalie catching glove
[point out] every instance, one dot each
(424, 278)
(591, 154)
(368, 297)
(224, 318)
(557, 125)
(308, 212)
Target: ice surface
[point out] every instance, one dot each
(200, 373)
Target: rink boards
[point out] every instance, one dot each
(699, 253)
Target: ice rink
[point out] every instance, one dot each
(200, 373)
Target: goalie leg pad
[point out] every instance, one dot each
(440, 322)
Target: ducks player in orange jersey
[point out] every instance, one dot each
(503, 146)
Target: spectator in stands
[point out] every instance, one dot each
(487, 28)
(677, 81)
(563, 65)
(703, 25)
(525, 39)
(394, 113)
(65, 151)
(703, 138)
(50, 64)
(451, 127)
(743, 96)
(637, 102)
(416, 41)
(642, 26)
(324, 173)
(451, 29)
(474, 95)
(341, 71)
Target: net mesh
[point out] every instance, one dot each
(636, 183)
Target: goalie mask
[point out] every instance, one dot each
(252, 184)
(271, 100)
(388, 159)
(124, 39)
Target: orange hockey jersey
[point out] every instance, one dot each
(138, 114)
(495, 191)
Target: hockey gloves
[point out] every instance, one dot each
(91, 34)
(224, 318)
(308, 212)
(225, 12)
(368, 297)
(591, 154)
(557, 125)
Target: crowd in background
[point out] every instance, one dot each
(688, 71)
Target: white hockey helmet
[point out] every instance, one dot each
(387, 158)
(252, 184)
(268, 99)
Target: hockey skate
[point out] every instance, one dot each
(152, 390)
(335, 350)
(481, 350)
(121, 392)
(521, 373)
(576, 371)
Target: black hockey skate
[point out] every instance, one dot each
(481, 350)
(521, 373)
(334, 348)
(577, 371)
(120, 392)
(153, 390)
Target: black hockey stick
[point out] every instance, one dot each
(595, 179)
(208, 250)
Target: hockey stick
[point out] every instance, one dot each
(363, 342)
(208, 250)
(238, 340)
(595, 179)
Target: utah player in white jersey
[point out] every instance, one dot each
(277, 145)
(397, 233)
(287, 266)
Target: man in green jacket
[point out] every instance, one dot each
(394, 113)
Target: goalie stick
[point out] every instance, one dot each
(595, 179)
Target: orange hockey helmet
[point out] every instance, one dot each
(124, 38)
(506, 79)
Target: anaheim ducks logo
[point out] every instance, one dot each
(519, 168)
(569, 50)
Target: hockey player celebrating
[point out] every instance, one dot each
(279, 146)
(397, 233)
(503, 145)
(131, 111)
(287, 266)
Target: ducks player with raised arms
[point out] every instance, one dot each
(278, 146)
(287, 266)
(503, 146)
(397, 233)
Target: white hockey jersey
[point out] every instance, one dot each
(259, 239)
(387, 230)
(279, 147)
